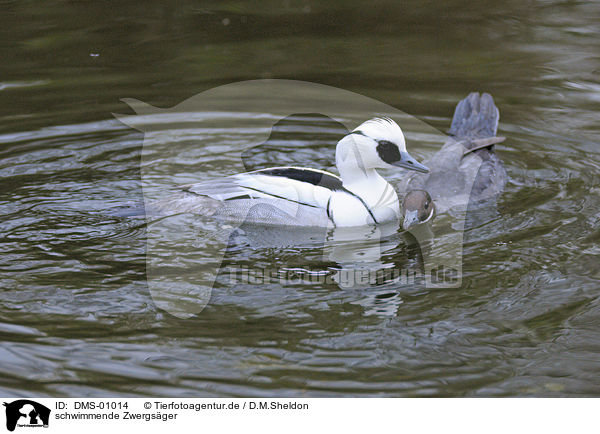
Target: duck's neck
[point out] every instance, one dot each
(366, 183)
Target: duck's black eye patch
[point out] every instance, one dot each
(388, 151)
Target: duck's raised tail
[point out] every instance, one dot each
(475, 117)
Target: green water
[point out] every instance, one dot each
(76, 314)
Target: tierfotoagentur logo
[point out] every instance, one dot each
(25, 413)
(185, 250)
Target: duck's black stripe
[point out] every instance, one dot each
(387, 150)
(281, 197)
(306, 175)
(241, 196)
(329, 211)
(364, 204)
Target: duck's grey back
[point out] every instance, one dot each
(458, 176)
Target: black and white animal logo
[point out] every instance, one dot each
(26, 413)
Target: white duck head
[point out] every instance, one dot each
(375, 144)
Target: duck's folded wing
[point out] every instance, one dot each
(272, 212)
(308, 187)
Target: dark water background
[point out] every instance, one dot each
(76, 316)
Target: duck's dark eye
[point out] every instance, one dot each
(388, 151)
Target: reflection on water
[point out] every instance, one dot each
(76, 316)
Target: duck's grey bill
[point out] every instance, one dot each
(410, 219)
(408, 162)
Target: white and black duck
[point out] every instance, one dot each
(299, 196)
